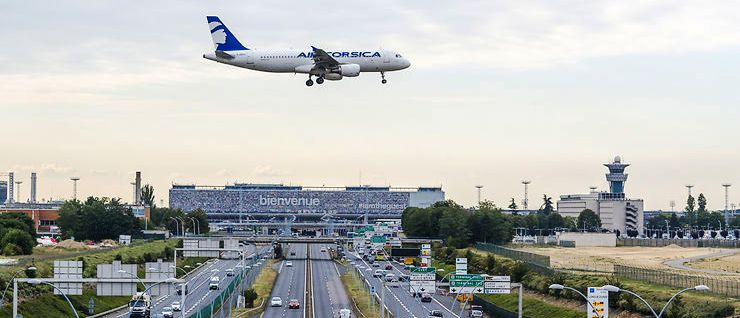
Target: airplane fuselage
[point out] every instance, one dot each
(301, 61)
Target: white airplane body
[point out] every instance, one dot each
(332, 65)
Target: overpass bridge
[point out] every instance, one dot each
(265, 239)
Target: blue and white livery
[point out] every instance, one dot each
(325, 65)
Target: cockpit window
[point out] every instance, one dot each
(398, 56)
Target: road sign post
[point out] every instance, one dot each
(599, 299)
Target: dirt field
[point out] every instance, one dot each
(728, 264)
(602, 258)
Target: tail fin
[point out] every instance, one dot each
(223, 39)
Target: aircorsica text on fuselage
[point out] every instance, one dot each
(343, 54)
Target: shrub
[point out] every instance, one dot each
(19, 238)
(11, 249)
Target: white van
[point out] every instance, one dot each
(214, 283)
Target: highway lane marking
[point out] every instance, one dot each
(434, 299)
(392, 293)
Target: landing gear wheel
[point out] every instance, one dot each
(384, 81)
(382, 75)
(309, 82)
(320, 80)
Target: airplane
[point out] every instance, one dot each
(324, 65)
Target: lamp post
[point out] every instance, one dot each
(37, 281)
(588, 303)
(177, 227)
(182, 224)
(170, 280)
(612, 288)
(134, 276)
(7, 285)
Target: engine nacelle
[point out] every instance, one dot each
(333, 76)
(349, 70)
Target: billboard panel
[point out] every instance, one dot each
(112, 271)
(68, 269)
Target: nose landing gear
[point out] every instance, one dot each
(382, 75)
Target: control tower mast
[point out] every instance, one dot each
(616, 176)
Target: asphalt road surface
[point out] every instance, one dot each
(290, 284)
(399, 300)
(199, 295)
(328, 292)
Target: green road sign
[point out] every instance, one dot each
(463, 283)
(378, 239)
(466, 277)
(423, 269)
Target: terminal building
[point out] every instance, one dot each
(616, 210)
(266, 202)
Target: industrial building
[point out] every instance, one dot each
(616, 210)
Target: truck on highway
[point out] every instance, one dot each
(140, 305)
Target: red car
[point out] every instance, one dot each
(294, 304)
(388, 267)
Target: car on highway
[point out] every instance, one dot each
(289, 264)
(345, 313)
(323, 250)
(176, 306)
(435, 313)
(276, 302)
(394, 283)
(214, 282)
(292, 253)
(404, 278)
(229, 272)
(376, 265)
(294, 304)
(476, 311)
(167, 312)
(388, 267)
(390, 277)
(426, 298)
(378, 273)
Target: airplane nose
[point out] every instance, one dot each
(406, 63)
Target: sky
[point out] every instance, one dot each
(498, 92)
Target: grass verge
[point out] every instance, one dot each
(263, 286)
(358, 293)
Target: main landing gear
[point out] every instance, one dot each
(382, 75)
(319, 80)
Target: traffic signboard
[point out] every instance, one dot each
(467, 290)
(497, 285)
(498, 278)
(423, 276)
(498, 291)
(467, 277)
(423, 269)
(422, 286)
(599, 299)
(466, 283)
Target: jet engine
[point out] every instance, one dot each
(349, 70)
(333, 76)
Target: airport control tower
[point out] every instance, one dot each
(616, 176)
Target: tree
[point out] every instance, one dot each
(690, 204)
(702, 202)
(147, 195)
(201, 220)
(512, 205)
(547, 206)
(21, 239)
(97, 219)
(691, 211)
(589, 220)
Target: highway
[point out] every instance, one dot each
(399, 299)
(328, 292)
(290, 283)
(199, 295)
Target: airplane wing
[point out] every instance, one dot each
(322, 59)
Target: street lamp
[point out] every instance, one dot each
(7, 285)
(170, 280)
(696, 288)
(132, 275)
(37, 281)
(193, 220)
(612, 288)
(588, 303)
(177, 227)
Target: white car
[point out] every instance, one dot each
(167, 312)
(289, 264)
(214, 283)
(276, 302)
(229, 272)
(176, 306)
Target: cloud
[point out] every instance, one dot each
(267, 171)
(44, 168)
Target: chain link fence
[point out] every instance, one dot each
(531, 258)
